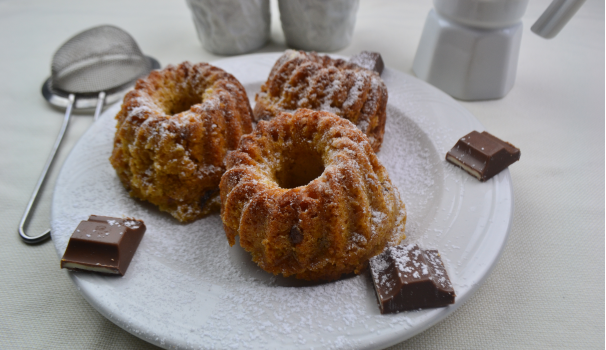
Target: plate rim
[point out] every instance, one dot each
(385, 341)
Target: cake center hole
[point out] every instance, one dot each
(301, 166)
(183, 103)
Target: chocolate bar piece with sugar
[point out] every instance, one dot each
(369, 60)
(408, 278)
(483, 155)
(103, 244)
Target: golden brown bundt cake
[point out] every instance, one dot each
(173, 131)
(308, 80)
(308, 197)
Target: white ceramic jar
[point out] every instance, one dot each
(231, 27)
(318, 25)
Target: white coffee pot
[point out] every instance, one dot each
(469, 48)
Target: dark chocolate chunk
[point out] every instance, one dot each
(103, 244)
(408, 278)
(482, 154)
(207, 196)
(369, 60)
(296, 236)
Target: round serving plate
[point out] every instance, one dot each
(186, 288)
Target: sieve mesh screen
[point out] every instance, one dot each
(99, 59)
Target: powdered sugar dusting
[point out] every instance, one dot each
(411, 161)
(186, 288)
(290, 310)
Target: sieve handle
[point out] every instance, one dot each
(49, 162)
(100, 105)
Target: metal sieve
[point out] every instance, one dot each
(91, 69)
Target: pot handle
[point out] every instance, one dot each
(555, 17)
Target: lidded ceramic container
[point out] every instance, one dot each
(469, 48)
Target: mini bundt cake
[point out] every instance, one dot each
(308, 80)
(173, 131)
(308, 197)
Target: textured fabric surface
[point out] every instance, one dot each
(547, 290)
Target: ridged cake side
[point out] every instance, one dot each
(173, 131)
(321, 229)
(308, 80)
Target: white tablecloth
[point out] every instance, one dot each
(547, 291)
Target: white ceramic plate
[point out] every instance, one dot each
(187, 288)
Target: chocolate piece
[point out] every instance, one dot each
(103, 244)
(408, 278)
(483, 155)
(369, 60)
(296, 236)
